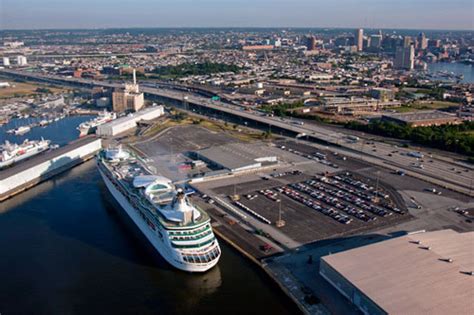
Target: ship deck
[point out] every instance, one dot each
(128, 171)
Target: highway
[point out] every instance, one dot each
(434, 168)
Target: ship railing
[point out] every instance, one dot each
(202, 258)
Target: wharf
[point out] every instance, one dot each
(37, 169)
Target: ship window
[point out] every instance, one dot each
(159, 187)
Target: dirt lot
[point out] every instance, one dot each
(24, 89)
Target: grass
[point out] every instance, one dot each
(20, 89)
(239, 132)
(419, 105)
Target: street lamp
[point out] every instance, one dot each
(279, 223)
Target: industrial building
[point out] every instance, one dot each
(422, 273)
(237, 157)
(423, 118)
(129, 98)
(353, 105)
(129, 122)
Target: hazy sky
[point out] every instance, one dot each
(427, 14)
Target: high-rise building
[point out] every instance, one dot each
(311, 43)
(21, 60)
(405, 58)
(129, 98)
(407, 41)
(359, 39)
(376, 41)
(6, 61)
(434, 43)
(422, 41)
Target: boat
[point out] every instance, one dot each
(21, 130)
(11, 153)
(178, 230)
(90, 126)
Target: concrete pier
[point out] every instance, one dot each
(33, 171)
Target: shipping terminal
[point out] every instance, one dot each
(41, 167)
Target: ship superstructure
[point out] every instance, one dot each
(179, 230)
(90, 126)
(11, 153)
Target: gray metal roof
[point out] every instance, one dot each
(404, 277)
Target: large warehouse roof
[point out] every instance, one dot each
(238, 156)
(421, 116)
(413, 274)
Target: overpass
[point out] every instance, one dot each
(439, 171)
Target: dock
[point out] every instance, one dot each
(37, 169)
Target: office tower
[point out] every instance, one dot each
(405, 58)
(434, 43)
(359, 39)
(376, 41)
(21, 60)
(311, 43)
(129, 98)
(407, 41)
(422, 41)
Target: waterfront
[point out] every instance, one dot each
(457, 68)
(66, 249)
(59, 132)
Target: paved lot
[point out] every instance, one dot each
(303, 224)
(182, 139)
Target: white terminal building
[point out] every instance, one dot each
(130, 121)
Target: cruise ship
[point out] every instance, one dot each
(90, 126)
(180, 231)
(11, 153)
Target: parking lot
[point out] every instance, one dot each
(316, 207)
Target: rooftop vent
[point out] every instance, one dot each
(448, 260)
(415, 242)
(425, 247)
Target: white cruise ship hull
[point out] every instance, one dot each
(162, 248)
(23, 156)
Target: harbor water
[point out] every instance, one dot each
(456, 68)
(65, 248)
(59, 132)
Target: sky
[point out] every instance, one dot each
(407, 14)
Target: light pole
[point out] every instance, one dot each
(279, 223)
(377, 188)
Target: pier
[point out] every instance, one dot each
(31, 172)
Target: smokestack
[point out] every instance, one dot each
(134, 77)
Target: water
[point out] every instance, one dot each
(65, 249)
(59, 132)
(457, 68)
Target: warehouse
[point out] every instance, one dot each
(423, 118)
(238, 157)
(422, 273)
(129, 122)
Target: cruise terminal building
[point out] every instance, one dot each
(422, 273)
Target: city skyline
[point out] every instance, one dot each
(53, 14)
